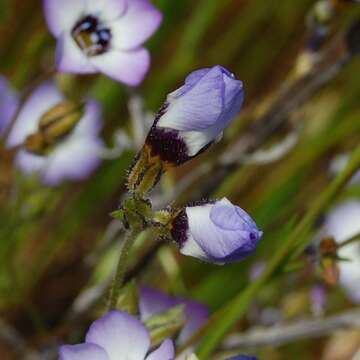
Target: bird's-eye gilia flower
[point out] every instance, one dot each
(117, 336)
(8, 104)
(342, 223)
(103, 36)
(70, 150)
(152, 302)
(192, 118)
(217, 232)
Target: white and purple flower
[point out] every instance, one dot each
(117, 336)
(192, 118)
(74, 156)
(342, 223)
(8, 104)
(217, 232)
(195, 115)
(152, 302)
(103, 36)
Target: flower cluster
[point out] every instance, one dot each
(58, 138)
(186, 125)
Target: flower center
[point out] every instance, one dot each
(92, 37)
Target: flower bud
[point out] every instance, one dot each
(53, 126)
(192, 118)
(196, 114)
(217, 232)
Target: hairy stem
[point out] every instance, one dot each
(119, 277)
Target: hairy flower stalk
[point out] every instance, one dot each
(119, 276)
(192, 118)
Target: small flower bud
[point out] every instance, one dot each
(217, 232)
(53, 126)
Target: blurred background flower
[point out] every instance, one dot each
(8, 104)
(103, 36)
(152, 302)
(117, 335)
(46, 149)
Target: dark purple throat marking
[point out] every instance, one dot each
(91, 35)
(180, 227)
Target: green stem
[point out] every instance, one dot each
(349, 241)
(293, 245)
(118, 280)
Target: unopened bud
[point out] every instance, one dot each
(217, 232)
(54, 125)
(166, 324)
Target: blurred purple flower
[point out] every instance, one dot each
(342, 223)
(217, 232)
(117, 336)
(195, 115)
(318, 298)
(103, 36)
(75, 157)
(256, 270)
(152, 302)
(8, 104)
